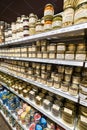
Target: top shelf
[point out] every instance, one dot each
(67, 32)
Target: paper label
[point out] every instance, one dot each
(61, 48)
(56, 23)
(68, 111)
(48, 26)
(48, 12)
(80, 56)
(69, 56)
(83, 119)
(60, 56)
(55, 107)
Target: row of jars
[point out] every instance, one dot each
(50, 102)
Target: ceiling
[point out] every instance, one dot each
(11, 9)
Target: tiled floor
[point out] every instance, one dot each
(3, 124)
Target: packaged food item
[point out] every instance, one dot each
(39, 27)
(61, 47)
(69, 55)
(57, 22)
(65, 86)
(73, 89)
(55, 110)
(80, 55)
(48, 25)
(46, 104)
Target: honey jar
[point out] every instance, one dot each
(67, 77)
(52, 55)
(58, 77)
(49, 82)
(69, 70)
(76, 79)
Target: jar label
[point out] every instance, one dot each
(69, 56)
(68, 15)
(25, 32)
(32, 20)
(60, 56)
(68, 111)
(48, 12)
(56, 23)
(47, 26)
(81, 13)
(61, 48)
(83, 119)
(80, 56)
(55, 107)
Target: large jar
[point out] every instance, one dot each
(81, 14)
(48, 11)
(57, 22)
(68, 16)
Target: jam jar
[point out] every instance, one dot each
(57, 22)
(48, 11)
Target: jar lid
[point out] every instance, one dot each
(49, 4)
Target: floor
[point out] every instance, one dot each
(3, 124)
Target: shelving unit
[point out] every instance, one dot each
(40, 85)
(39, 108)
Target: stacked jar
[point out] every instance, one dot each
(68, 13)
(48, 17)
(32, 22)
(25, 26)
(80, 12)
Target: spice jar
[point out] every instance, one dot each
(81, 13)
(68, 16)
(57, 22)
(68, 70)
(48, 25)
(76, 79)
(65, 86)
(48, 11)
(32, 19)
(69, 55)
(61, 47)
(39, 27)
(80, 55)
(60, 55)
(73, 89)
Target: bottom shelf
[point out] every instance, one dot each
(7, 120)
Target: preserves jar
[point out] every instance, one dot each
(81, 13)
(65, 86)
(76, 79)
(68, 70)
(51, 47)
(83, 85)
(39, 27)
(68, 17)
(48, 25)
(67, 77)
(45, 55)
(60, 69)
(58, 77)
(50, 82)
(48, 11)
(52, 55)
(71, 47)
(57, 84)
(57, 22)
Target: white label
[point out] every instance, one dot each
(61, 48)
(25, 32)
(68, 15)
(57, 23)
(80, 56)
(31, 92)
(48, 26)
(60, 56)
(80, 13)
(69, 56)
(83, 119)
(56, 107)
(68, 111)
(46, 102)
(38, 98)
(32, 20)
(48, 12)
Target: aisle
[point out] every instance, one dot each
(3, 124)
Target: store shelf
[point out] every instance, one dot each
(67, 32)
(7, 120)
(14, 116)
(51, 61)
(40, 85)
(82, 102)
(45, 112)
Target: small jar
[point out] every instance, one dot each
(82, 122)
(45, 55)
(48, 25)
(68, 16)
(46, 104)
(76, 79)
(83, 86)
(61, 47)
(48, 11)
(31, 95)
(48, 67)
(38, 100)
(69, 55)
(80, 55)
(31, 30)
(50, 82)
(71, 47)
(67, 77)
(60, 55)
(73, 89)
(81, 47)
(65, 86)
(44, 81)
(60, 69)
(43, 48)
(39, 27)
(26, 31)
(57, 22)
(69, 70)
(52, 55)
(58, 77)
(43, 66)
(32, 19)
(39, 55)
(55, 110)
(68, 3)
(51, 48)
(57, 84)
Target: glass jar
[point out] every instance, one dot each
(55, 110)
(81, 13)
(60, 69)
(58, 77)
(60, 55)
(45, 55)
(57, 22)
(76, 79)
(80, 55)
(83, 85)
(31, 95)
(61, 47)
(32, 19)
(71, 47)
(39, 27)
(52, 55)
(50, 82)
(65, 86)
(69, 70)
(69, 55)
(48, 25)
(81, 47)
(73, 89)
(67, 77)
(48, 11)
(46, 104)
(68, 17)
(31, 30)
(57, 84)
